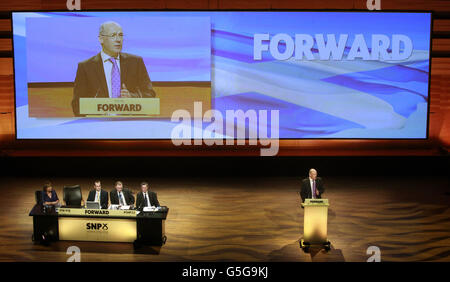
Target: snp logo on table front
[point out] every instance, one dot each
(97, 226)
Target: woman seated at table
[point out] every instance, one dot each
(49, 196)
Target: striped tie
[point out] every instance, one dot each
(115, 79)
(121, 199)
(314, 189)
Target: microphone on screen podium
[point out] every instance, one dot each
(96, 94)
(139, 91)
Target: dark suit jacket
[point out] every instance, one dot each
(152, 197)
(103, 198)
(90, 81)
(114, 196)
(306, 192)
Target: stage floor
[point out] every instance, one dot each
(255, 219)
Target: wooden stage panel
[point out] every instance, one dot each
(255, 219)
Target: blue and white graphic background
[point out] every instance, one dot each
(316, 99)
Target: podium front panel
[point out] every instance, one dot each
(315, 222)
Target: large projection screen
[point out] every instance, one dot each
(221, 74)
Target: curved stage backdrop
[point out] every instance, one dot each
(327, 74)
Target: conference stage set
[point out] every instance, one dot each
(224, 132)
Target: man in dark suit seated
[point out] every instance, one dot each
(111, 73)
(121, 196)
(98, 195)
(312, 187)
(146, 198)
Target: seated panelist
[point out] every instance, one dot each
(49, 196)
(99, 195)
(121, 196)
(146, 198)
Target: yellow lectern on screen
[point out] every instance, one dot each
(107, 107)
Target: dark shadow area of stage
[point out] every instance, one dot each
(223, 166)
(322, 255)
(106, 248)
(314, 254)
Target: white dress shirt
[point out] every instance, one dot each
(107, 67)
(97, 196)
(148, 200)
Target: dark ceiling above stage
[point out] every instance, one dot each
(227, 167)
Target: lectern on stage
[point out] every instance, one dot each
(315, 224)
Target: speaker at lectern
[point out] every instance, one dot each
(315, 224)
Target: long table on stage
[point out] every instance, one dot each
(79, 224)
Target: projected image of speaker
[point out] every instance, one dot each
(117, 66)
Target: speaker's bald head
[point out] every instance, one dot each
(313, 173)
(107, 26)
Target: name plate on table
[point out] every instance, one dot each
(102, 213)
(316, 202)
(110, 107)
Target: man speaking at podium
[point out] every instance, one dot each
(312, 187)
(111, 73)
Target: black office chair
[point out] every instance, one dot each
(72, 196)
(38, 197)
